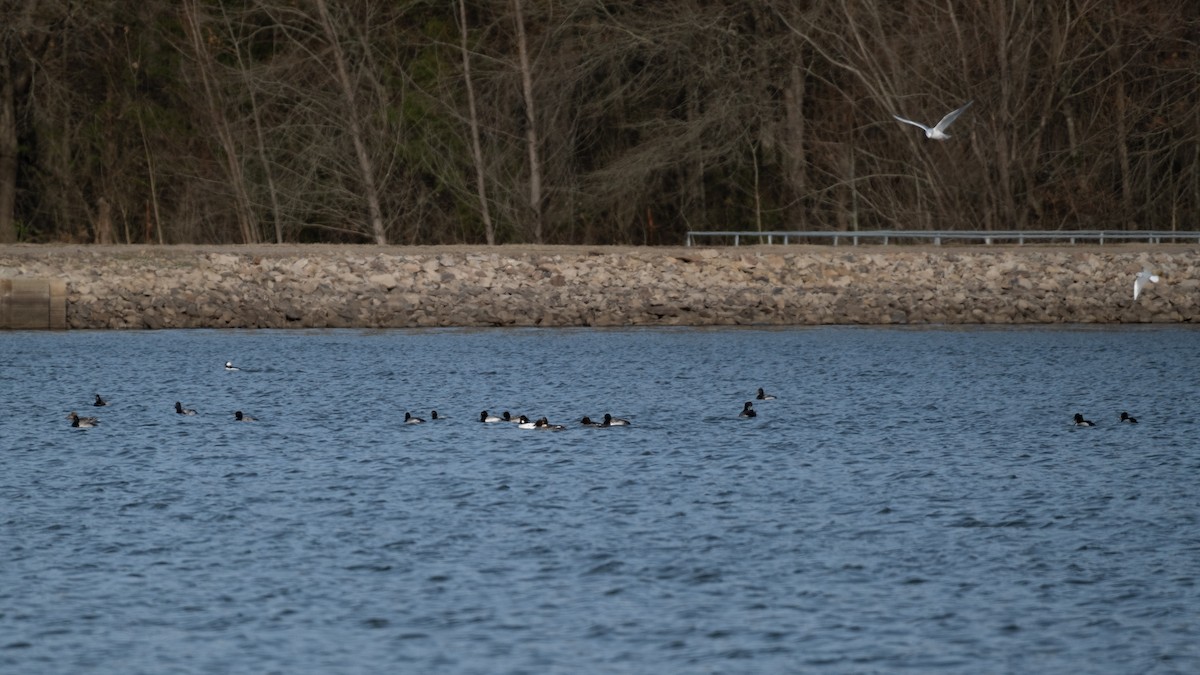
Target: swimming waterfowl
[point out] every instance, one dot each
(1126, 418)
(242, 417)
(748, 410)
(610, 421)
(545, 425)
(434, 416)
(1080, 422)
(409, 419)
(182, 410)
(587, 422)
(99, 401)
(524, 423)
(82, 422)
(485, 417)
(764, 396)
(229, 366)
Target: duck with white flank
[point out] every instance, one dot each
(409, 419)
(485, 417)
(748, 410)
(764, 396)
(1126, 418)
(182, 410)
(82, 422)
(545, 425)
(243, 417)
(1080, 422)
(229, 366)
(610, 421)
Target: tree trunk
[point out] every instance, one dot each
(365, 165)
(1122, 141)
(473, 119)
(104, 225)
(260, 139)
(531, 132)
(237, 183)
(14, 84)
(796, 154)
(8, 153)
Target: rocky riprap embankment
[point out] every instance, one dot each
(362, 286)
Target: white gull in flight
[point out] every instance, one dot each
(938, 133)
(1139, 282)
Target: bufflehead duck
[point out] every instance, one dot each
(229, 366)
(610, 421)
(764, 396)
(99, 401)
(82, 422)
(484, 417)
(748, 410)
(242, 417)
(587, 422)
(1080, 422)
(1126, 418)
(409, 419)
(182, 410)
(1139, 282)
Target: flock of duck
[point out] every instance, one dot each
(522, 421)
(80, 422)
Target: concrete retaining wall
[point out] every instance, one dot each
(27, 303)
(366, 286)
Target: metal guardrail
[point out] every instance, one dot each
(1018, 236)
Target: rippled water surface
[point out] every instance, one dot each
(913, 500)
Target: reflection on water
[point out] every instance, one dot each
(913, 500)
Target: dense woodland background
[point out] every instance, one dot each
(590, 121)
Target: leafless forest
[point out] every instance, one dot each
(590, 121)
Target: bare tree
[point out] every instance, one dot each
(247, 223)
(473, 121)
(531, 130)
(371, 191)
(24, 37)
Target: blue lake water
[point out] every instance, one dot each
(913, 501)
